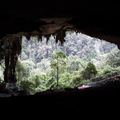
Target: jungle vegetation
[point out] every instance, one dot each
(45, 65)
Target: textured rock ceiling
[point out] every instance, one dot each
(45, 17)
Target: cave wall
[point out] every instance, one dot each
(45, 17)
(38, 17)
(10, 48)
(95, 18)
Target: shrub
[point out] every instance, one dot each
(28, 86)
(1, 79)
(76, 80)
(89, 72)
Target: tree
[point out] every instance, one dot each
(44, 65)
(1, 79)
(65, 80)
(23, 69)
(28, 86)
(36, 60)
(113, 59)
(77, 81)
(74, 63)
(89, 72)
(40, 81)
(58, 62)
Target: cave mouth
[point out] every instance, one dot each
(82, 61)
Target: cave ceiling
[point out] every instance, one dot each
(45, 17)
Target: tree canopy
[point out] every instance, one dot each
(46, 65)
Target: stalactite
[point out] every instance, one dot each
(47, 37)
(57, 37)
(6, 71)
(60, 35)
(11, 49)
(28, 35)
(39, 37)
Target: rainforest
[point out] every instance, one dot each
(81, 60)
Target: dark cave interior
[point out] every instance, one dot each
(97, 19)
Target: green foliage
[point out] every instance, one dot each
(40, 81)
(74, 63)
(51, 83)
(23, 69)
(91, 68)
(89, 72)
(28, 86)
(1, 79)
(44, 66)
(113, 59)
(76, 80)
(65, 80)
(58, 63)
(36, 79)
(106, 70)
(59, 55)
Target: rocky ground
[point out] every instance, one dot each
(98, 100)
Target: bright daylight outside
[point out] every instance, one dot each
(81, 60)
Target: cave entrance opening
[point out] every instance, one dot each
(82, 61)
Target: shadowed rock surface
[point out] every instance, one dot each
(43, 17)
(96, 18)
(100, 100)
